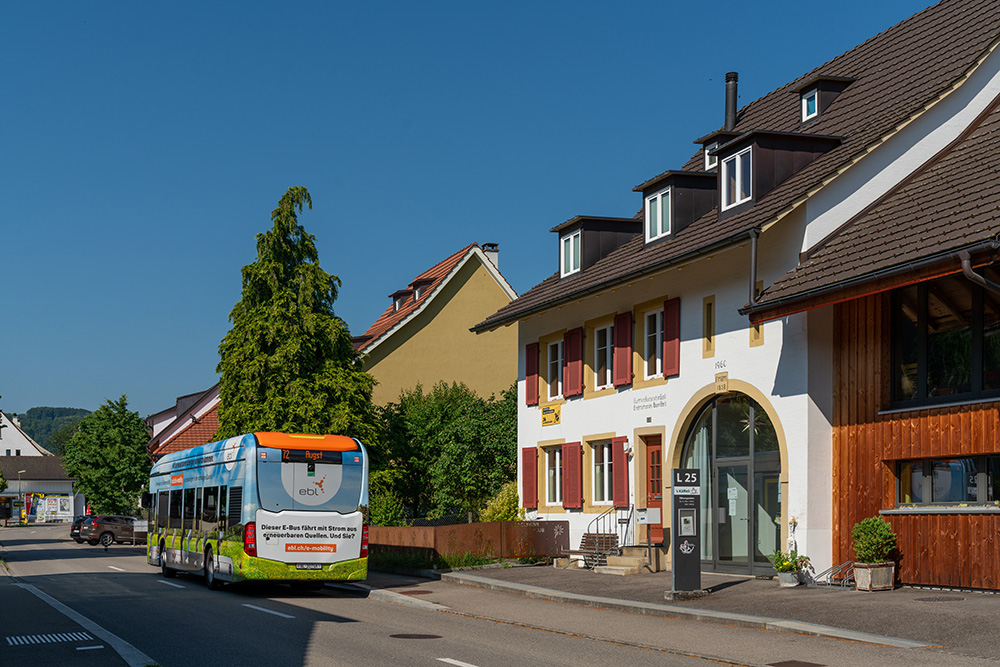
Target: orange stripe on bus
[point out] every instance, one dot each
(328, 443)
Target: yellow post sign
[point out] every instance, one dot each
(721, 383)
(551, 415)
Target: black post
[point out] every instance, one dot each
(685, 569)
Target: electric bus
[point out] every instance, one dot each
(261, 506)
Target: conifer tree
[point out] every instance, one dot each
(287, 363)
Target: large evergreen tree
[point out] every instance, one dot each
(287, 364)
(107, 456)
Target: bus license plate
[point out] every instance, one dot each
(308, 566)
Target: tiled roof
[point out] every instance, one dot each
(34, 467)
(430, 280)
(897, 73)
(929, 214)
(194, 434)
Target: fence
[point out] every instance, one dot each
(495, 539)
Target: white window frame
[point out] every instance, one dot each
(656, 339)
(814, 95)
(602, 473)
(711, 160)
(569, 249)
(553, 476)
(735, 163)
(555, 375)
(607, 353)
(662, 223)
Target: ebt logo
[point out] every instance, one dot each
(310, 490)
(231, 452)
(318, 491)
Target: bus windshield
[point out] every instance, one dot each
(291, 479)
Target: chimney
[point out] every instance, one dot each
(731, 79)
(492, 252)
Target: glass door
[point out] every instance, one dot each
(732, 505)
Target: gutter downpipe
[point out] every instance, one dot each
(975, 277)
(754, 233)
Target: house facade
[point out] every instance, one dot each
(804, 311)
(191, 422)
(424, 336)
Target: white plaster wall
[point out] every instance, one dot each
(902, 153)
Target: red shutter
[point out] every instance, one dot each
(531, 374)
(573, 363)
(529, 478)
(623, 349)
(619, 469)
(572, 461)
(672, 337)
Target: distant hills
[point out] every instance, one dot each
(44, 423)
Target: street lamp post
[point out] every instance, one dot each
(20, 497)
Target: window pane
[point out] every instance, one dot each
(954, 481)
(728, 181)
(744, 175)
(911, 482)
(653, 347)
(665, 212)
(733, 424)
(576, 251)
(906, 305)
(567, 259)
(653, 223)
(949, 337)
(993, 479)
(811, 104)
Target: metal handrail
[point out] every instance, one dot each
(608, 523)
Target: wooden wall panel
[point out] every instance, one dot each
(935, 549)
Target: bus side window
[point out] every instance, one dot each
(188, 509)
(209, 513)
(222, 508)
(162, 509)
(175, 509)
(197, 508)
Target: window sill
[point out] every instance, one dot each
(942, 509)
(937, 406)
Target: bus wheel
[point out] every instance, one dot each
(166, 571)
(210, 581)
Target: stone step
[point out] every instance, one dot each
(616, 570)
(626, 561)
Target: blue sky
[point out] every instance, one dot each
(145, 145)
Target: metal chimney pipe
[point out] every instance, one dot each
(731, 79)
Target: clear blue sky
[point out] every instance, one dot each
(145, 145)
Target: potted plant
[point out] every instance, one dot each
(789, 566)
(874, 543)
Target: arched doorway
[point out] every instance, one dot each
(735, 445)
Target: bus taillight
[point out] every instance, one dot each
(364, 541)
(250, 538)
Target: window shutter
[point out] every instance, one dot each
(529, 478)
(573, 363)
(531, 374)
(623, 349)
(572, 458)
(619, 465)
(672, 337)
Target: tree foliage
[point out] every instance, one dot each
(287, 363)
(107, 456)
(3, 483)
(504, 506)
(456, 449)
(61, 437)
(43, 423)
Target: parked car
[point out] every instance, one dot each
(107, 529)
(74, 530)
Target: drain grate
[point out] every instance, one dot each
(941, 598)
(415, 636)
(25, 640)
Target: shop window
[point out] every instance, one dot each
(948, 481)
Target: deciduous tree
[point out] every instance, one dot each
(287, 363)
(107, 456)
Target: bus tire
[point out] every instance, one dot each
(168, 573)
(211, 582)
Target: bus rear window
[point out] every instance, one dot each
(305, 480)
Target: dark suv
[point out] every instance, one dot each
(107, 529)
(74, 530)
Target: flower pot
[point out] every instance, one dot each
(788, 579)
(874, 576)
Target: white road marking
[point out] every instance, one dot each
(267, 611)
(116, 568)
(132, 656)
(88, 648)
(170, 583)
(457, 663)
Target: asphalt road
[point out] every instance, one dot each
(133, 616)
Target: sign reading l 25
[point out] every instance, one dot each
(687, 482)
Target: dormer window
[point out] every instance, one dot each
(736, 179)
(417, 293)
(569, 254)
(397, 303)
(399, 298)
(711, 160)
(810, 104)
(658, 215)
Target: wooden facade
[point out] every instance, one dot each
(944, 549)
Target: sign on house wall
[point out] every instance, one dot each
(551, 415)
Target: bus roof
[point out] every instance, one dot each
(329, 443)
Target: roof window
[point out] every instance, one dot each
(658, 215)
(736, 179)
(710, 159)
(810, 104)
(569, 253)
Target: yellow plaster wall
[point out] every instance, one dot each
(437, 345)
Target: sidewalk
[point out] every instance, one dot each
(960, 621)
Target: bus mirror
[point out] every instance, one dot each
(147, 500)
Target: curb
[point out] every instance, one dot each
(676, 612)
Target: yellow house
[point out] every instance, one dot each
(424, 336)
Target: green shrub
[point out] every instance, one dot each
(503, 506)
(385, 508)
(874, 540)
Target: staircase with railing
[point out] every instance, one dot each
(605, 536)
